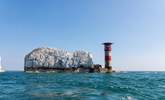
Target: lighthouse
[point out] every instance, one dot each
(108, 55)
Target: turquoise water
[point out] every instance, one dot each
(82, 86)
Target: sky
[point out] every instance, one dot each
(136, 27)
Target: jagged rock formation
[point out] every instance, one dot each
(55, 58)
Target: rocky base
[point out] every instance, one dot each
(73, 69)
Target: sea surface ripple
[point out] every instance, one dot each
(82, 86)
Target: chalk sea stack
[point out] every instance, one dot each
(52, 59)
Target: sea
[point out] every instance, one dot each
(19, 85)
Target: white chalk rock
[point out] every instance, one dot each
(50, 57)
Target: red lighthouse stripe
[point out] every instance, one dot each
(108, 48)
(108, 58)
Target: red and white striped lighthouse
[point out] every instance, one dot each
(108, 54)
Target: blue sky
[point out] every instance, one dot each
(137, 27)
